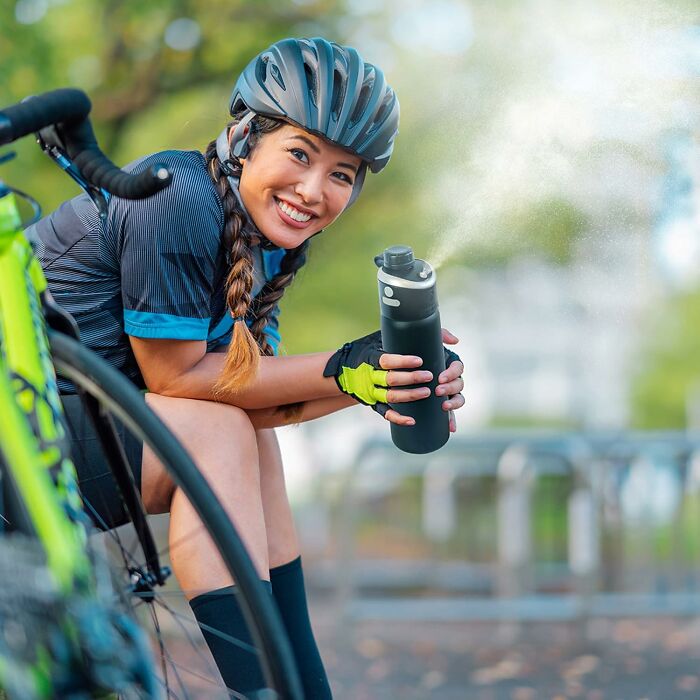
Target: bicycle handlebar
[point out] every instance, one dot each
(69, 108)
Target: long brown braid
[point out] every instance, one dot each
(246, 346)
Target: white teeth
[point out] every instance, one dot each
(291, 211)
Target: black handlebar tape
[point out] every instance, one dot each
(37, 112)
(70, 107)
(82, 148)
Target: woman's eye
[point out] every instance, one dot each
(301, 155)
(298, 153)
(345, 177)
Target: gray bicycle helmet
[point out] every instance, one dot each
(325, 88)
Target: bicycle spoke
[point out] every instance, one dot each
(160, 680)
(171, 661)
(235, 693)
(222, 635)
(162, 649)
(179, 619)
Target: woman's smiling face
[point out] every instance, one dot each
(295, 183)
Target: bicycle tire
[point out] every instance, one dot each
(121, 398)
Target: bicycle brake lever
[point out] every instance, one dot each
(50, 141)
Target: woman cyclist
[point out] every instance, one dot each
(180, 292)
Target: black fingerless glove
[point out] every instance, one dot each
(357, 373)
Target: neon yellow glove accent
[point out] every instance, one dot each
(365, 383)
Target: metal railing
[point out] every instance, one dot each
(520, 527)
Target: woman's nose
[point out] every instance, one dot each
(310, 188)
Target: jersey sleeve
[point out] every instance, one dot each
(169, 245)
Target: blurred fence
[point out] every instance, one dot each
(518, 527)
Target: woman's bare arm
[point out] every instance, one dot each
(309, 410)
(184, 369)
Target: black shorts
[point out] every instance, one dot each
(97, 485)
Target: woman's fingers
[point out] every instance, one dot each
(395, 417)
(406, 395)
(390, 361)
(456, 369)
(449, 338)
(450, 388)
(453, 402)
(396, 378)
(450, 384)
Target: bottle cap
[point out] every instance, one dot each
(398, 257)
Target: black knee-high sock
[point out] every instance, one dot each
(219, 610)
(289, 593)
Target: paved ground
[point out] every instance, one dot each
(621, 659)
(627, 659)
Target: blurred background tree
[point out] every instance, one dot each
(526, 132)
(160, 74)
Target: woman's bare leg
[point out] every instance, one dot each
(282, 541)
(286, 574)
(222, 443)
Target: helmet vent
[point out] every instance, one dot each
(275, 73)
(362, 101)
(261, 68)
(338, 97)
(311, 83)
(384, 109)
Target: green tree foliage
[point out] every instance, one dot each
(149, 96)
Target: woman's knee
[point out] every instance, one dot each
(195, 416)
(212, 433)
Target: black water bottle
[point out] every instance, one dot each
(410, 323)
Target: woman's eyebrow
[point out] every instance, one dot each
(316, 149)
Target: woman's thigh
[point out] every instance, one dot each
(219, 438)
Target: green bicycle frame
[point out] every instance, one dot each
(31, 431)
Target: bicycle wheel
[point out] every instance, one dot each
(187, 670)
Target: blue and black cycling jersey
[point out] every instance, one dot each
(155, 268)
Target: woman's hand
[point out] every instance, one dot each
(450, 382)
(362, 370)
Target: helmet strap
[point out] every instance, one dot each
(241, 134)
(357, 185)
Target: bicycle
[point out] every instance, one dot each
(68, 608)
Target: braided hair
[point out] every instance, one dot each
(247, 344)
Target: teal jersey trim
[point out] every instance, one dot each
(142, 324)
(273, 337)
(272, 260)
(223, 327)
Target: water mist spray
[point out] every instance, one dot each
(410, 324)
